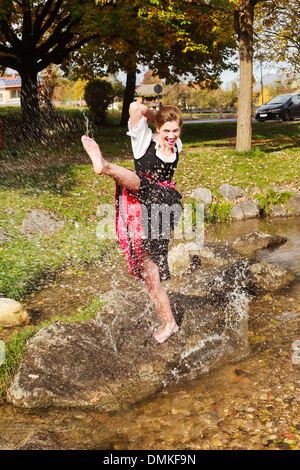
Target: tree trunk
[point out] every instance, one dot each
(128, 96)
(244, 30)
(31, 115)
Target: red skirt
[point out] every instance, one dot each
(134, 223)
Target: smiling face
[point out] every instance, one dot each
(168, 134)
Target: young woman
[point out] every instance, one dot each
(151, 187)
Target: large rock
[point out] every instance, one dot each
(232, 193)
(290, 208)
(270, 278)
(12, 313)
(245, 210)
(41, 221)
(278, 211)
(293, 205)
(113, 360)
(181, 256)
(256, 241)
(184, 257)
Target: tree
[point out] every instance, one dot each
(34, 35)
(243, 23)
(278, 32)
(98, 95)
(150, 78)
(242, 14)
(171, 37)
(193, 96)
(51, 79)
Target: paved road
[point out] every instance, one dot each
(200, 121)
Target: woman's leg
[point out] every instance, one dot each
(160, 299)
(122, 176)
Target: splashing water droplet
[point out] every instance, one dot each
(88, 131)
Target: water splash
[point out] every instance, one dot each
(235, 335)
(88, 129)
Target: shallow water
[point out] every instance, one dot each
(252, 404)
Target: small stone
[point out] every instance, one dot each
(3, 236)
(12, 313)
(41, 221)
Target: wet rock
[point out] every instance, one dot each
(268, 277)
(40, 221)
(245, 210)
(113, 361)
(12, 313)
(3, 236)
(109, 363)
(232, 193)
(41, 440)
(257, 241)
(230, 283)
(181, 256)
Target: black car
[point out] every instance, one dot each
(285, 107)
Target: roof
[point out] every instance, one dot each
(13, 82)
(7, 82)
(148, 90)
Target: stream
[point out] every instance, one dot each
(249, 405)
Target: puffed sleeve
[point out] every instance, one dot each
(179, 145)
(141, 136)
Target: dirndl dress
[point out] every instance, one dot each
(145, 221)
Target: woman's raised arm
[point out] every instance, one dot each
(137, 111)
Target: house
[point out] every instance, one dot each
(10, 89)
(145, 94)
(282, 83)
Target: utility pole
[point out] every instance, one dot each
(261, 83)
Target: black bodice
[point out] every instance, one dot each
(152, 165)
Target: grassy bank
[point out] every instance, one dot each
(55, 174)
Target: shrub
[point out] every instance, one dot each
(98, 95)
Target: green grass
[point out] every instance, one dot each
(71, 191)
(210, 159)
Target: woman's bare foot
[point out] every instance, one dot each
(93, 150)
(165, 331)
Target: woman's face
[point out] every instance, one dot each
(168, 133)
